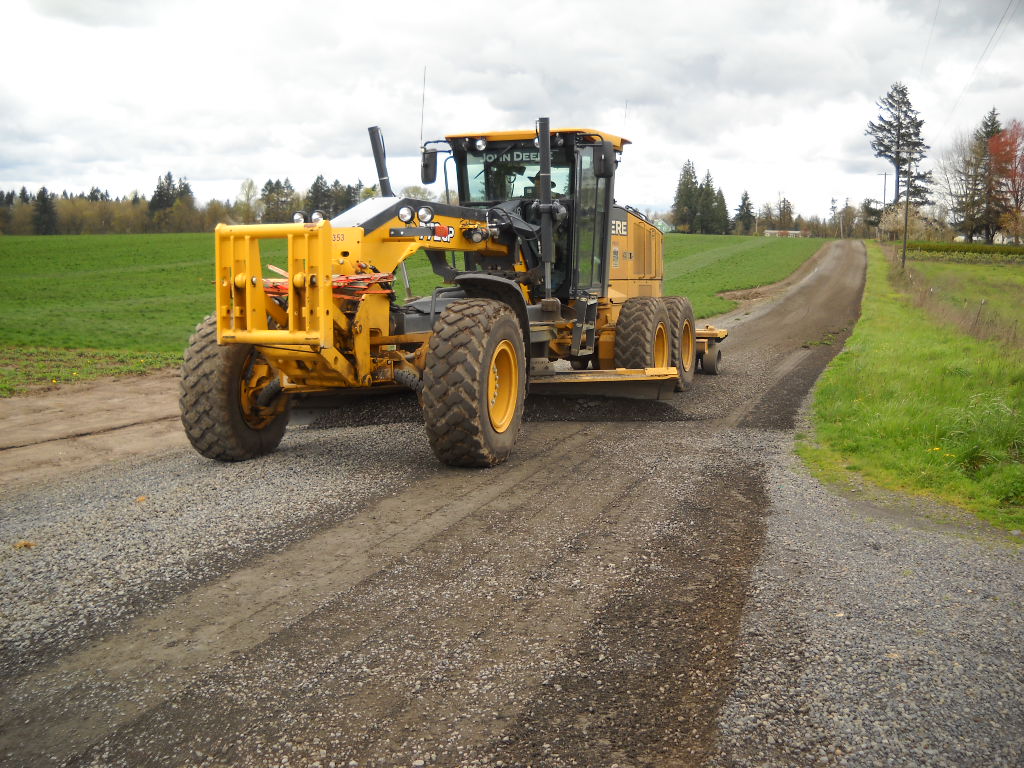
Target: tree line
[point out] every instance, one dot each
(172, 207)
(700, 208)
(977, 190)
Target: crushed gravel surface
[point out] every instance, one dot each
(642, 584)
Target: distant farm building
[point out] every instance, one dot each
(783, 233)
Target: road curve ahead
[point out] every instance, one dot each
(347, 601)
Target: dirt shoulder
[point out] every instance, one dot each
(80, 426)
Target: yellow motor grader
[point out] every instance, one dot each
(540, 267)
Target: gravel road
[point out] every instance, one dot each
(642, 584)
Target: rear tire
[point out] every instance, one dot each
(642, 335)
(711, 361)
(684, 340)
(474, 383)
(220, 398)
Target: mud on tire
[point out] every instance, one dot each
(474, 383)
(642, 336)
(684, 339)
(220, 388)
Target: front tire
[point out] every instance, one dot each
(474, 383)
(227, 399)
(684, 340)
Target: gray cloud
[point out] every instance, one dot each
(101, 13)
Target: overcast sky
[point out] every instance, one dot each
(771, 97)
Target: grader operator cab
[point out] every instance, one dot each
(551, 270)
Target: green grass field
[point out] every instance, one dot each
(914, 404)
(701, 266)
(78, 307)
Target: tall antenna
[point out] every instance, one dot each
(423, 102)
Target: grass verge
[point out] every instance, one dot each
(918, 406)
(980, 300)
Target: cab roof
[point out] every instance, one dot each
(617, 141)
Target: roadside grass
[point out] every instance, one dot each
(915, 405)
(82, 306)
(981, 300)
(702, 266)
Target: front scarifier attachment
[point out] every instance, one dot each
(474, 383)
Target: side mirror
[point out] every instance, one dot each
(604, 160)
(428, 166)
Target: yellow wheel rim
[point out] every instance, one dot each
(257, 374)
(687, 345)
(661, 347)
(503, 386)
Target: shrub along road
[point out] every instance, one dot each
(641, 584)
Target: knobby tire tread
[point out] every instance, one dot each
(452, 394)
(212, 421)
(635, 331)
(680, 310)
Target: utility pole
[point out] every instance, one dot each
(906, 215)
(885, 180)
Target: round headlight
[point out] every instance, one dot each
(405, 214)
(317, 217)
(298, 218)
(480, 145)
(425, 214)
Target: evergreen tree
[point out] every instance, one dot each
(704, 220)
(344, 196)
(684, 209)
(785, 214)
(44, 214)
(319, 196)
(870, 214)
(721, 214)
(896, 137)
(164, 195)
(744, 217)
(991, 209)
(184, 192)
(24, 196)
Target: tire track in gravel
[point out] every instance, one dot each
(578, 605)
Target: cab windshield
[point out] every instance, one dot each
(507, 171)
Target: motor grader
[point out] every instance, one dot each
(547, 283)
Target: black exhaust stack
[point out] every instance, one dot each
(377, 145)
(547, 227)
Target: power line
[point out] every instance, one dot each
(1000, 27)
(928, 45)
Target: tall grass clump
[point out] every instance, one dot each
(919, 406)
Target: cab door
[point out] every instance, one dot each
(590, 240)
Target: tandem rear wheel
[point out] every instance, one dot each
(474, 383)
(684, 340)
(643, 338)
